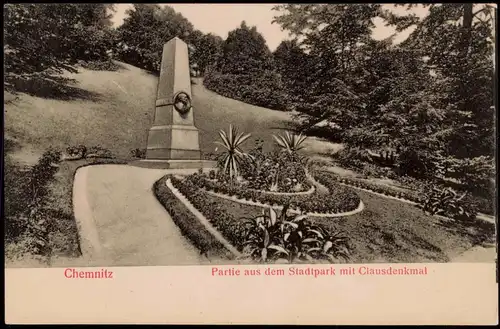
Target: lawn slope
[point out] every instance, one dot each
(115, 110)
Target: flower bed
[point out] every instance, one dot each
(249, 240)
(307, 192)
(309, 188)
(339, 199)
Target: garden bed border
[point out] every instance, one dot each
(203, 220)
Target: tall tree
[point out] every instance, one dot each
(289, 56)
(45, 39)
(207, 48)
(146, 29)
(333, 36)
(243, 51)
(244, 70)
(457, 40)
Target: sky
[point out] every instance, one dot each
(221, 18)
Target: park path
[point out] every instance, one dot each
(477, 254)
(121, 223)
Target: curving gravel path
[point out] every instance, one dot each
(122, 224)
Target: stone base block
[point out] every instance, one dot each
(173, 142)
(206, 165)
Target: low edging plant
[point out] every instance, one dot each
(386, 190)
(339, 199)
(189, 225)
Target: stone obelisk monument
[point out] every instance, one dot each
(173, 140)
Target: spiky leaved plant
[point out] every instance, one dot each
(233, 156)
(276, 238)
(290, 142)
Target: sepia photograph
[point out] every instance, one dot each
(305, 135)
(133, 138)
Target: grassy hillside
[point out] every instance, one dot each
(115, 110)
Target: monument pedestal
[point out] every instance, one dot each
(179, 142)
(173, 140)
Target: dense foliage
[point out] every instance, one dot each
(244, 70)
(283, 238)
(43, 40)
(425, 105)
(28, 216)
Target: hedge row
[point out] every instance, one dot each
(339, 199)
(386, 190)
(188, 223)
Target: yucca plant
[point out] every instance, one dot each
(233, 156)
(270, 237)
(322, 245)
(290, 142)
(262, 242)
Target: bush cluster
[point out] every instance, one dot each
(81, 151)
(28, 216)
(290, 239)
(449, 203)
(286, 171)
(264, 89)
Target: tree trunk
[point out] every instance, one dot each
(466, 28)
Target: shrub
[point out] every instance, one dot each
(447, 202)
(475, 174)
(270, 238)
(352, 158)
(138, 153)
(417, 164)
(232, 155)
(83, 152)
(78, 151)
(98, 151)
(329, 133)
(278, 171)
(262, 88)
(290, 142)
